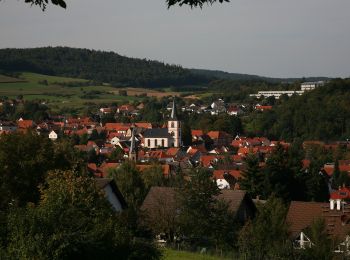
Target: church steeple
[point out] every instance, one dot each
(174, 127)
(132, 150)
(173, 115)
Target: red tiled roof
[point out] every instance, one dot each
(342, 193)
(165, 168)
(172, 151)
(25, 124)
(263, 107)
(197, 132)
(144, 125)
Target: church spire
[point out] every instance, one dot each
(132, 150)
(173, 115)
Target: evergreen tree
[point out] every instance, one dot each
(266, 237)
(199, 210)
(278, 177)
(186, 134)
(322, 244)
(252, 177)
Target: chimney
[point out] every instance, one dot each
(331, 204)
(338, 204)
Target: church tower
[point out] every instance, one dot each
(132, 150)
(174, 128)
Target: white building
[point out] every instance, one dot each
(277, 93)
(53, 136)
(164, 137)
(305, 86)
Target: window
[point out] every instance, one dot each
(172, 125)
(162, 142)
(148, 142)
(155, 142)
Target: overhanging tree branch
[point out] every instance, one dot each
(192, 3)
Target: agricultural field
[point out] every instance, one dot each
(148, 92)
(55, 92)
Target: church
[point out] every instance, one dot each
(164, 137)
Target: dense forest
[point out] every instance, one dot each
(99, 66)
(321, 114)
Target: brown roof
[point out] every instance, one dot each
(166, 197)
(234, 198)
(302, 214)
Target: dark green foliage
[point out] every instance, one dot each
(43, 3)
(266, 237)
(130, 183)
(321, 114)
(72, 221)
(96, 65)
(153, 176)
(222, 122)
(278, 177)
(203, 219)
(252, 177)
(322, 247)
(186, 134)
(117, 154)
(24, 161)
(193, 3)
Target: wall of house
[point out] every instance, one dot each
(156, 142)
(112, 198)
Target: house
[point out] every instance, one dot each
(220, 138)
(263, 108)
(226, 179)
(105, 110)
(336, 215)
(234, 111)
(164, 137)
(8, 126)
(25, 124)
(217, 107)
(162, 204)
(126, 109)
(112, 193)
(53, 135)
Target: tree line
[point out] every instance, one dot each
(321, 114)
(99, 66)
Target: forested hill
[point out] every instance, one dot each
(321, 114)
(99, 66)
(248, 77)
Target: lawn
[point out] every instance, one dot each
(170, 254)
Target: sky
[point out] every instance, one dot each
(276, 38)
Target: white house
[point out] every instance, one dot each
(53, 136)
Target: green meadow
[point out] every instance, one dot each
(58, 96)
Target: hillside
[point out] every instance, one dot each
(248, 77)
(321, 114)
(99, 66)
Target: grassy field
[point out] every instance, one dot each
(6, 79)
(177, 255)
(58, 96)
